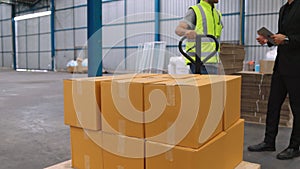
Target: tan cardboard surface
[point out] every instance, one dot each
(121, 152)
(189, 114)
(234, 144)
(208, 156)
(232, 109)
(123, 106)
(85, 152)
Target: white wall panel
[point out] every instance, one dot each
(64, 19)
(45, 42)
(80, 37)
(45, 60)
(131, 59)
(229, 6)
(64, 39)
(21, 27)
(114, 59)
(112, 12)
(5, 11)
(7, 44)
(81, 52)
(33, 60)
(80, 17)
(231, 30)
(140, 33)
(168, 32)
(265, 6)
(175, 8)
(59, 4)
(21, 44)
(6, 28)
(80, 2)
(32, 26)
(8, 59)
(1, 57)
(32, 43)
(138, 10)
(45, 24)
(22, 61)
(113, 35)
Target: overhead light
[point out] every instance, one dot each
(34, 15)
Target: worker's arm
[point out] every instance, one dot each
(183, 30)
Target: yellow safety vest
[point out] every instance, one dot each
(208, 21)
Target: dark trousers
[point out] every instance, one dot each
(280, 87)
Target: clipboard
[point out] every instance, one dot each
(267, 34)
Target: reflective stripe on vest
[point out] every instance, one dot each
(201, 27)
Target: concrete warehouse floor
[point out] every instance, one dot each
(33, 134)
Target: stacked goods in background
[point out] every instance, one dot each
(255, 95)
(78, 66)
(149, 121)
(232, 57)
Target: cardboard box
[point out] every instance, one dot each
(82, 102)
(232, 107)
(266, 66)
(123, 106)
(178, 76)
(225, 151)
(234, 144)
(186, 112)
(121, 152)
(209, 156)
(86, 152)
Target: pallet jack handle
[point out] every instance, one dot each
(198, 63)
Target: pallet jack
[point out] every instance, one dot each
(198, 63)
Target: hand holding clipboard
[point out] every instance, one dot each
(266, 34)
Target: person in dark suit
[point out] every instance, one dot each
(285, 80)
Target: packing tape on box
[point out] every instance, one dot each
(122, 126)
(79, 87)
(171, 134)
(86, 162)
(122, 89)
(121, 144)
(120, 167)
(169, 155)
(170, 95)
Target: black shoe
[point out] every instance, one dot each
(288, 153)
(262, 147)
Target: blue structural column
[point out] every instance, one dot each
(52, 35)
(13, 25)
(157, 20)
(242, 42)
(94, 9)
(125, 33)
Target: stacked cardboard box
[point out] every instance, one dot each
(232, 57)
(155, 121)
(255, 95)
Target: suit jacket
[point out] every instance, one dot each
(288, 55)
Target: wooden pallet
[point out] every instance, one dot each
(242, 165)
